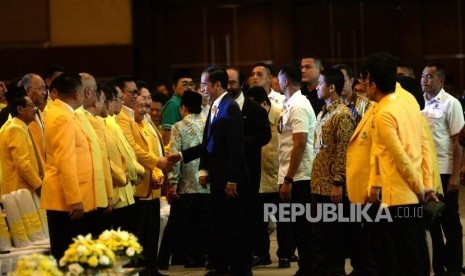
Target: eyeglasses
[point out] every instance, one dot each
(186, 84)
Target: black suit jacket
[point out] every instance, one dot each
(221, 152)
(257, 133)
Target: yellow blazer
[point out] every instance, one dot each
(37, 131)
(19, 162)
(148, 159)
(68, 175)
(133, 168)
(102, 174)
(358, 158)
(397, 154)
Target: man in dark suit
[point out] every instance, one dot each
(223, 166)
(257, 133)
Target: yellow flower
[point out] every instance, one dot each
(93, 261)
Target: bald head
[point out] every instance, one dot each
(89, 86)
(35, 88)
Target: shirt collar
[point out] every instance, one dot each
(293, 99)
(240, 100)
(438, 98)
(332, 106)
(129, 111)
(218, 100)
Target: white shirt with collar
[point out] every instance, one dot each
(240, 100)
(276, 98)
(445, 118)
(216, 104)
(297, 117)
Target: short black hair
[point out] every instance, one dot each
(334, 76)
(258, 94)
(15, 98)
(52, 70)
(217, 74)
(440, 68)
(292, 73)
(239, 72)
(262, 64)
(317, 59)
(107, 89)
(382, 70)
(159, 97)
(343, 66)
(142, 84)
(121, 81)
(67, 83)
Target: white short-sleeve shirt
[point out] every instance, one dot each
(445, 119)
(297, 117)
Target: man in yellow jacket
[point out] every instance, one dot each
(101, 173)
(21, 164)
(121, 217)
(149, 152)
(68, 192)
(396, 161)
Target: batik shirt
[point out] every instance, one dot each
(185, 134)
(334, 127)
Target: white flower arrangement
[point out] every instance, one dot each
(37, 264)
(122, 243)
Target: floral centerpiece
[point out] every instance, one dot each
(123, 244)
(84, 253)
(37, 264)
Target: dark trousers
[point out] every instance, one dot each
(146, 221)
(121, 218)
(62, 230)
(186, 233)
(328, 255)
(301, 228)
(262, 237)
(232, 250)
(357, 242)
(450, 254)
(399, 245)
(173, 242)
(198, 224)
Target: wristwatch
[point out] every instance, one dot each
(288, 180)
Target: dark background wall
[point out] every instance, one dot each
(172, 34)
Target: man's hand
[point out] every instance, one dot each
(174, 158)
(158, 182)
(430, 195)
(109, 207)
(77, 210)
(164, 164)
(375, 195)
(174, 194)
(231, 190)
(285, 192)
(453, 184)
(336, 194)
(203, 181)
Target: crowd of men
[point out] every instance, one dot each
(101, 155)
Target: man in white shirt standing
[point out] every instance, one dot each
(296, 131)
(445, 118)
